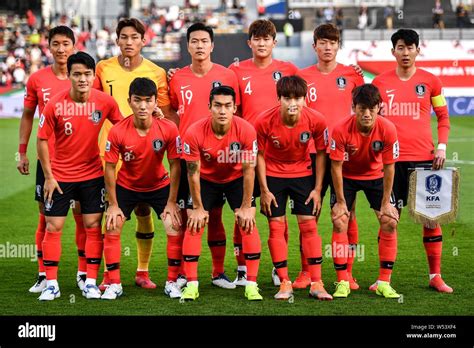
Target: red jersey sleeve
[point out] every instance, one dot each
(47, 122)
(114, 114)
(31, 97)
(173, 151)
(261, 136)
(320, 133)
(112, 148)
(391, 150)
(337, 146)
(441, 110)
(191, 147)
(235, 86)
(173, 97)
(250, 143)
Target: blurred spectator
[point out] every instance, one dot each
(363, 19)
(328, 14)
(288, 30)
(31, 19)
(462, 18)
(340, 22)
(388, 15)
(438, 13)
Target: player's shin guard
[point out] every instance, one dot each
(303, 257)
(94, 248)
(387, 254)
(433, 242)
(112, 249)
(144, 236)
(174, 248)
(39, 237)
(353, 239)
(311, 243)
(278, 248)
(238, 250)
(339, 254)
(51, 254)
(191, 253)
(252, 250)
(81, 243)
(216, 240)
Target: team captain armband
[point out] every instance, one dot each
(438, 101)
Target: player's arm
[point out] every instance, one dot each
(315, 194)
(441, 110)
(266, 197)
(245, 216)
(26, 125)
(172, 207)
(114, 213)
(386, 209)
(170, 114)
(198, 217)
(50, 183)
(340, 208)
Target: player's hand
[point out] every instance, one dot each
(170, 73)
(175, 212)
(197, 219)
(49, 186)
(245, 218)
(357, 69)
(339, 210)
(23, 165)
(314, 196)
(113, 214)
(266, 200)
(158, 113)
(389, 210)
(440, 158)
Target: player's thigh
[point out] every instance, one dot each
(39, 184)
(60, 203)
(91, 196)
(373, 190)
(157, 199)
(211, 194)
(350, 188)
(127, 200)
(279, 188)
(183, 190)
(234, 192)
(299, 190)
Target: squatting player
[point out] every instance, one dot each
(408, 94)
(74, 117)
(220, 153)
(364, 149)
(284, 170)
(141, 140)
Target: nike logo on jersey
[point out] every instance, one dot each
(389, 90)
(311, 84)
(45, 89)
(246, 78)
(65, 119)
(183, 87)
(206, 150)
(129, 147)
(275, 136)
(109, 81)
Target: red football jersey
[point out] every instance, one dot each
(40, 87)
(258, 86)
(189, 94)
(142, 167)
(331, 94)
(76, 128)
(221, 159)
(364, 156)
(286, 150)
(408, 105)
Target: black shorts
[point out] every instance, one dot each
(298, 189)
(373, 190)
(90, 193)
(402, 179)
(327, 180)
(212, 194)
(39, 182)
(128, 199)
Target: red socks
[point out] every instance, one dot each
(174, 253)
(312, 248)
(51, 254)
(39, 236)
(239, 254)
(112, 250)
(216, 239)
(278, 248)
(94, 248)
(433, 242)
(387, 254)
(353, 239)
(81, 243)
(252, 249)
(339, 254)
(191, 253)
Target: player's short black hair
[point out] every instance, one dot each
(291, 86)
(326, 31)
(262, 28)
(199, 27)
(80, 58)
(409, 36)
(61, 30)
(367, 95)
(221, 90)
(142, 87)
(131, 22)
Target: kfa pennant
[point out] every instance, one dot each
(433, 196)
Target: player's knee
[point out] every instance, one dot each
(76, 208)
(91, 223)
(53, 227)
(142, 210)
(388, 224)
(340, 224)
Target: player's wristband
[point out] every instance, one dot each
(442, 147)
(22, 148)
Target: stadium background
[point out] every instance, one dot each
(448, 52)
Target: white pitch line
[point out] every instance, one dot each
(460, 140)
(460, 162)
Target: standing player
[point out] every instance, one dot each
(330, 87)
(284, 169)
(189, 93)
(141, 140)
(257, 78)
(75, 117)
(41, 86)
(409, 93)
(114, 76)
(220, 156)
(364, 149)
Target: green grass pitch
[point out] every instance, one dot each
(18, 219)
